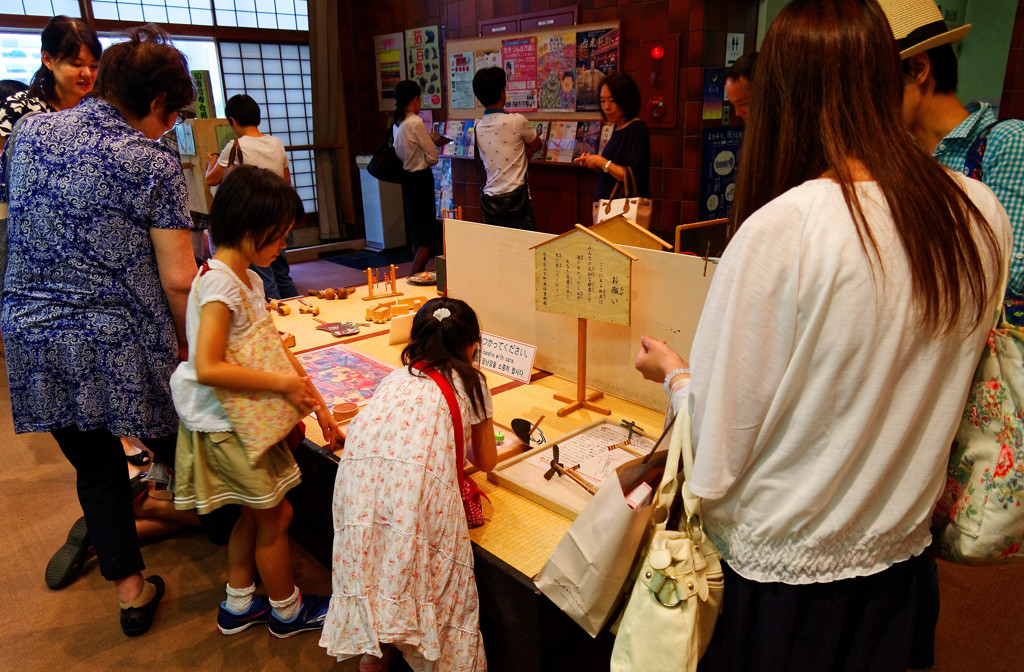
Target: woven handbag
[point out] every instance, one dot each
(671, 613)
(259, 419)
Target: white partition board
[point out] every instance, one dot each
(492, 269)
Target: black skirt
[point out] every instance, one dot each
(421, 224)
(863, 624)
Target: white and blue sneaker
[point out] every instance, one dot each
(230, 623)
(312, 612)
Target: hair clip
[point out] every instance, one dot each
(441, 313)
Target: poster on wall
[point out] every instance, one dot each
(460, 65)
(597, 54)
(520, 62)
(486, 57)
(556, 72)
(388, 54)
(721, 153)
(423, 63)
(714, 93)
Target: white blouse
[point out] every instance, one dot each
(822, 412)
(413, 144)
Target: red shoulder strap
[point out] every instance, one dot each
(453, 407)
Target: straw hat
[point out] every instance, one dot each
(918, 26)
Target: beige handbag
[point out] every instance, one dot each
(671, 613)
(259, 419)
(631, 206)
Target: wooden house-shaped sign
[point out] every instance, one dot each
(624, 231)
(582, 274)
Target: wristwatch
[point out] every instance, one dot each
(605, 169)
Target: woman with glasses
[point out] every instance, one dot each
(93, 316)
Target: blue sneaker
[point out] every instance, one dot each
(230, 623)
(312, 612)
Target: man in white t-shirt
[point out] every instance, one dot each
(253, 148)
(504, 143)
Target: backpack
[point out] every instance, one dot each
(385, 164)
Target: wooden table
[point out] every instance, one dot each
(522, 629)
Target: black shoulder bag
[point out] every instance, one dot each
(385, 164)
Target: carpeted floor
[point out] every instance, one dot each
(364, 259)
(330, 272)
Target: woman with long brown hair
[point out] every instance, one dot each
(834, 354)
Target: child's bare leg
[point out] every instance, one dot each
(241, 555)
(273, 555)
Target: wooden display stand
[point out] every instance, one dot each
(667, 297)
(583, 275)
(205, 139)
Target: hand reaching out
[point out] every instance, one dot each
(333, 434)
(656, 359)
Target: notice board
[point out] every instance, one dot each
(551, 73)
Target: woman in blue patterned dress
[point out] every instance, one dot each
(94, 303)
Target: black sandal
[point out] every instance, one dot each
(139, 459)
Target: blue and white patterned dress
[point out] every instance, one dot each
(87, 330)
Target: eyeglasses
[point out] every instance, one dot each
(183, 116)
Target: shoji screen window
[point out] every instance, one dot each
(41, 7)
(279, 14)
(277, 76)
(186, 12)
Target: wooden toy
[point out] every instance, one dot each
(345, 412)
(390, 281)
(383, 312)
(287, 339)
(309, 310)
(379, 314)
(283, 309)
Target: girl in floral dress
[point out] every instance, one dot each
(403, 566)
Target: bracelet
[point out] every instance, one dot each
(672, 374)
(605, 169)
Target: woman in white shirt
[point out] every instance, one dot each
(834, 354)
(418, 153)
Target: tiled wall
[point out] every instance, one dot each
(563, 194)
(1012, 104)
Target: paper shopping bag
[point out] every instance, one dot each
(586, 572)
